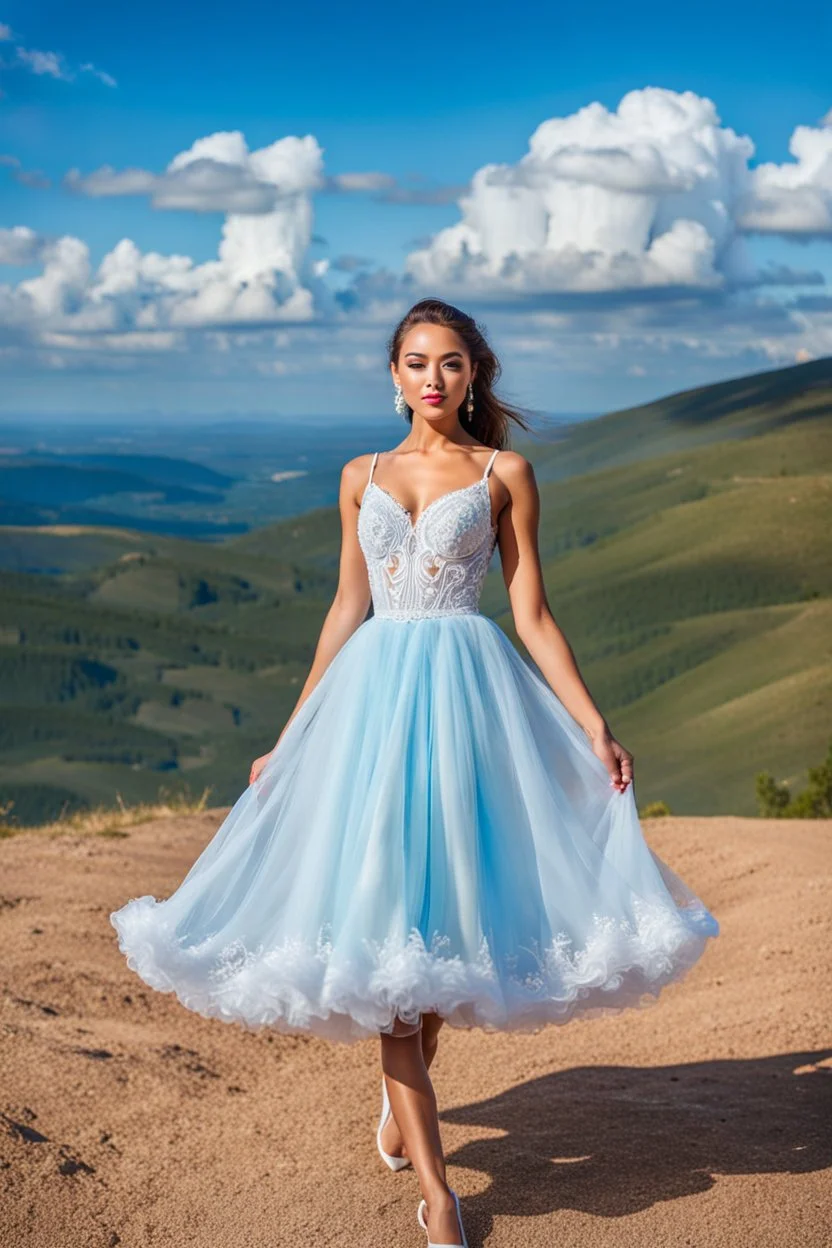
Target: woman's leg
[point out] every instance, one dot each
(431, 1023)
(391, 1136)
(413, 1104)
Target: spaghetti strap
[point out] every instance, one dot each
(372, 468)
(490, 462)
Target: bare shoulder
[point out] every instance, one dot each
(515, 472)
(355, 472)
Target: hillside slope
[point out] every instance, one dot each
(739, 408)
(694, 586)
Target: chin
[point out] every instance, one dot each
(429, 412)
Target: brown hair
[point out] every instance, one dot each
(492, 417)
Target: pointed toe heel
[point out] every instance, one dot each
(395, 1163)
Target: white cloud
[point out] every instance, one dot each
(108, 182)
(19, 245)
(50, 64)
(102, 75)
(641, 197)
(263, 273)
(131, 342)
(218, 174)
(41, 63)
(624, 229)
(258, 279)
(657, 194)
(66, 272)
(795, 198)
(673, 350)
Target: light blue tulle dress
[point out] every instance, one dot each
(433, 832)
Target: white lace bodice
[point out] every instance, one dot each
(435, 566)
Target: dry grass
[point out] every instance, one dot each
(110, 820)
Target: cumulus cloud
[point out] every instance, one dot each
(19, 245)
(262, 273)
(642, 197)
(253, 282)
(655, 195)
(608, 214)
(218, 173)
(795, 199)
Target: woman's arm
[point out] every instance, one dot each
(517, 536)
(352, 597)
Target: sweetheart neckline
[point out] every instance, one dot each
(462, 489)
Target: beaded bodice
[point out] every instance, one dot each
(435, 566)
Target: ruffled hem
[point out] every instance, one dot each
(301, 988)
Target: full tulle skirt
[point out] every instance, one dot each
(433, 833)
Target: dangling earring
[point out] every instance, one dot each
(399, 401)
(470, 400)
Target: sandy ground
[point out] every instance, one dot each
(702, 1120)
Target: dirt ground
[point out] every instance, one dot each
(701, 1121)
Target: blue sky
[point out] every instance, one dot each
(653, 248)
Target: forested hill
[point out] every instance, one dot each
(740, 408)
(685, 551)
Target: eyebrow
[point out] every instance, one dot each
(422, 355)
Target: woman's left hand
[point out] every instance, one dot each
(617, 760)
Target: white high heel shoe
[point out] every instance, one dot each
(395, 1163)
(420, 1217)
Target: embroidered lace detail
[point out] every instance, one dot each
(433, 567)
(421, 613)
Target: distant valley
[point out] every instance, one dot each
(686, 556)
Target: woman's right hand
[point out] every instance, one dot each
(257, 766)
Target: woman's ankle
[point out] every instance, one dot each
(438, 1194)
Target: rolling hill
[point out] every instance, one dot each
(686, 556)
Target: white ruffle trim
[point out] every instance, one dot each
(298, 988)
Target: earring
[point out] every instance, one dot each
(470, 400)
(399, 401)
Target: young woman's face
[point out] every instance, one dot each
(433, 361)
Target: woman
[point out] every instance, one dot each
(439, 835)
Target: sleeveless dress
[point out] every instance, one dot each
(433, 832)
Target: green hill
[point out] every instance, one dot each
(696, 591)
(685, 553)
(736, 409)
